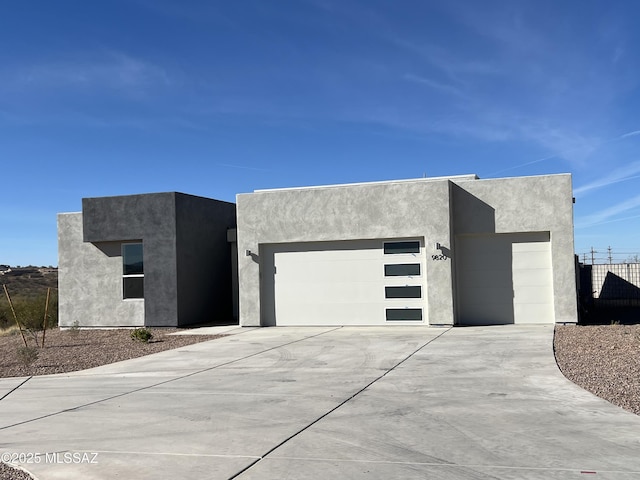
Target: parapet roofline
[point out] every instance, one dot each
(472, 176)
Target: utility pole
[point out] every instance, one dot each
(593, 252)
(584, 258)
(609, 252)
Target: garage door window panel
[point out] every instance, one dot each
(397, 248)
(404, 314)
(413, 291)
(402, 270)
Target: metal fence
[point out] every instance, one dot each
(615, 284)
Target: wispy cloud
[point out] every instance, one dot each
(628, 172)
(458, 69)
(608, 214)
(486, 125)
(564, 142)
(113, 70)
(504, 24)
(567, 145)
(629, 134)
(442, 87)
(520, 165)
(513, 115)
(618, 53)
(197, 12)
(242, 167)
(71, 118)
(553, 94)
(576, 148)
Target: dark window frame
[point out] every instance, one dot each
(132, 273)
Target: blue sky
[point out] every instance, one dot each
(215, 98)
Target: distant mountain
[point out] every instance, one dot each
(27, 281)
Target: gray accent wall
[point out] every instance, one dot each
(187, 261)
(152, 219)
(204, 275)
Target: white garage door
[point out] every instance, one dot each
(504, 278)
(532, 282)
(343, 283)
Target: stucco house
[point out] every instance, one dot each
(431, 251)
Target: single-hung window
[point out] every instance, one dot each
(132, 271)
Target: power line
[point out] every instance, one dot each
(609, 256)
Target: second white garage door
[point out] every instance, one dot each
(343, 283)
(504, 278)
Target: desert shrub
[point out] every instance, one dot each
(30, 312)
(141, 334)
(27, 355)
(6, 319)
(74, 329)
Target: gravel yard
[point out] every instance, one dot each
(9, 473)
(603, 359)
(71, 350)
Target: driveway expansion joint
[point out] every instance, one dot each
(15, 388)
(79, 407)
(344, 402)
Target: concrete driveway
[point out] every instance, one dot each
(316, 403)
